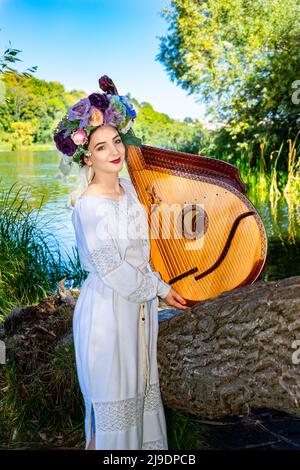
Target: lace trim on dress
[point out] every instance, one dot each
(118, 415)
(106, 258)
(159, 444)
(146, 289)
(153, 399)
(121, 415)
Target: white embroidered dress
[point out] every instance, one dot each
(115, 325)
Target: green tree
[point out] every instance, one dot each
(241, 57)
(22, 134)
(159, 130)
(29, 99)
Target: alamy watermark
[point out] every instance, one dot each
(296, 354)
(2, 352)
(296, 95)
(166, 221)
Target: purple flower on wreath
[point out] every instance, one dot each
(112, 117)
(80, 110)
(65, 144)
(100, 101)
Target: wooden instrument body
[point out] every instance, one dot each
(206, 237)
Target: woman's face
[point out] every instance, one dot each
(105, 146)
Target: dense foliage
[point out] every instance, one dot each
(33, 107)
(242, 57)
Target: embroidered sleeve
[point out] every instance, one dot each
(105, 258)
(129, 281)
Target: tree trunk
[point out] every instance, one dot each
(236, 352)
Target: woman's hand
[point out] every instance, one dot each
(175, 300)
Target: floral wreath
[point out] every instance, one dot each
(97, 109)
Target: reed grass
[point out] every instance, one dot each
(275, 173)
(30, 261)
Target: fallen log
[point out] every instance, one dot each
(236, 352)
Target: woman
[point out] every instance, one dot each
(115, 323)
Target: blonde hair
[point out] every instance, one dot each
(85, 176)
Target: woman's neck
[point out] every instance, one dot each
(108, 186)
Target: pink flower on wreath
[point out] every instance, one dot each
(79, 137)
(96, 117)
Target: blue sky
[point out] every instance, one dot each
(75, 42)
